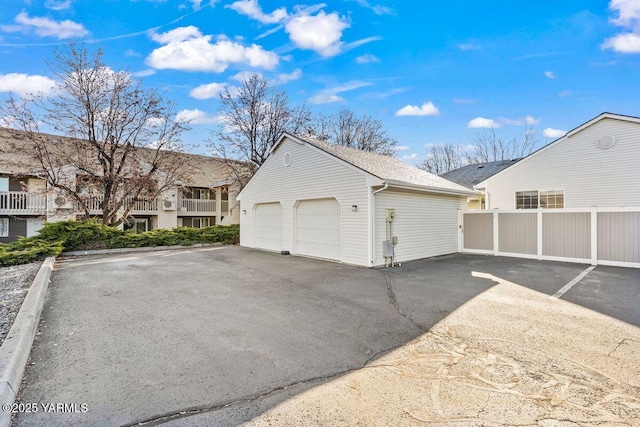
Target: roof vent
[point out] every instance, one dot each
(480, 167)
(606, 141)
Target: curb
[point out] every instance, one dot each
(16, 347)
(145, 249)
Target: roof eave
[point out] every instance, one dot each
(430, 189)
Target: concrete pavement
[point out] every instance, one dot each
(222, 336)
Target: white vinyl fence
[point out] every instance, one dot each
(606, 236)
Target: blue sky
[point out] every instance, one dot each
(433, 72)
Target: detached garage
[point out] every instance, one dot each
(325, 201)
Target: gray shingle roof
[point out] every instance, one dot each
(385, 167)
(470, 175)
(205, 170)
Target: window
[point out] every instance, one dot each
(548, 199)
(4, 227)
(4, 183)
(200, 222)
(553, 199)
(201, 194)
(137, 225)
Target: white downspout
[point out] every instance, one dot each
(373, 222)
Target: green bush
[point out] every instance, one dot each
(28, 250)
(56, 237)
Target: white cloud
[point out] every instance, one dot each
(565, 94)
(367, 59)
(469, 46)
(24, 84)
(402, 148)
(549, 75)
(57, 4)
(207, 91)
(528, 120)
(187, 49)
(481, 122)
(330, 95)
(427, 109)
(244, 76)
(623, 43)
(46, 27)
(252, 9)
(376, 8)
(144, 73)
(554, 133)
(410, 157)
(628, 12)
(196, 117)
(320, 33)
(7, 121)
(285, 78)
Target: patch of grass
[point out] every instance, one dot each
(56, 237)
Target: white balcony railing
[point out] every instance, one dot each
(22, 203)
(94, 204)
(197, 206)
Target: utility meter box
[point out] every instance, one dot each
(391, 214)
(387, 248)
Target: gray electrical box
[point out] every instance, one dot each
(387, 248)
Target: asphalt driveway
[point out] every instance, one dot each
(218, 336)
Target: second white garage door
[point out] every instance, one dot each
(318, 229)
(268, 226)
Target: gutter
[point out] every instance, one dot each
(439, 190)
(373, 222)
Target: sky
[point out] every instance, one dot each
(433, 72)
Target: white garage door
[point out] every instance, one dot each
(268, 226)
(318, 231)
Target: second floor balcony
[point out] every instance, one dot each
(22, 203)
(202, 206)
(95, 203)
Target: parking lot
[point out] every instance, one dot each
(222, 336)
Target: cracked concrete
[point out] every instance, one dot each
(507, 357)
(224, 336)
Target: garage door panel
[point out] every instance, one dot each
(318, 228)
(268, 226)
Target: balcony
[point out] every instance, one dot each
(22, 203)
(202, 207)
(94, 205)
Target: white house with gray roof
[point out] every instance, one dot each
(596, 164)
(321, 200)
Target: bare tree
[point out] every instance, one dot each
(490, 146)
(443, 158)
(253, 117)
(120, 135)
(346, 129)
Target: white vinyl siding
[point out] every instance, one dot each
(317, 229)
(588, 175)
(311, 175)
(426, 225)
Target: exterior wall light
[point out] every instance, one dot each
(354, 208)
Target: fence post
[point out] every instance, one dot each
(460, 230)
(594, 235)
(496, 235)
(539, 230)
